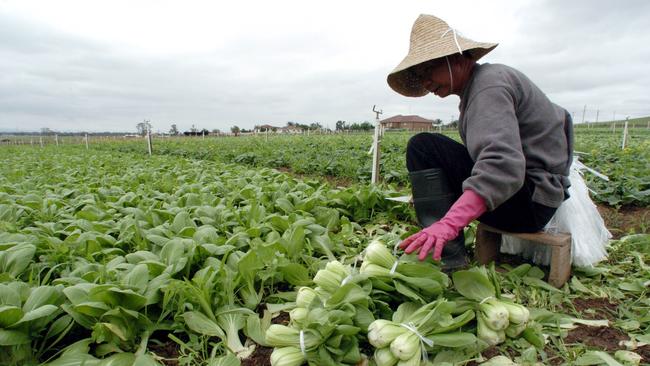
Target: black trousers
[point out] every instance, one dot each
(517, 214)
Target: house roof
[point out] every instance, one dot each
(410, 119)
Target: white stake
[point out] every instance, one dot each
(624, 134)
(87, 142)
(149, 142)
(374, 178)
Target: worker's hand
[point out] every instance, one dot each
(468, 207)
(433, 238)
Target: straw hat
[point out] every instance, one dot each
(432, 38)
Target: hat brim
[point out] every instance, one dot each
(399, 81)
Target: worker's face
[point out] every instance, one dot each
(433, 76)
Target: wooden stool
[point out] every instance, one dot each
(488, 244)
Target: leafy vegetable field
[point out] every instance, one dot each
(113, 258)
(345, 157)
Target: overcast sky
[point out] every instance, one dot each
(107, 65)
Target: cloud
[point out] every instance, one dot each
(214, 66)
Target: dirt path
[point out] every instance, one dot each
(626, 220)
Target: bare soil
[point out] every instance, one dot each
(600, 338)
(168, 351)
(261, 357)
(625, 220)
(595, 308)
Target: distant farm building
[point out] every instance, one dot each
(264, 128)
(290, 130)
(409, 123)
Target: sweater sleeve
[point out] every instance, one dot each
(493, 142)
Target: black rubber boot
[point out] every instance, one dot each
(432, 198)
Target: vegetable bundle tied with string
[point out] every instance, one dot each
(416, 330)
(394, 278)
(496, 317)
(326, 321)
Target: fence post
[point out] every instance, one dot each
(56, 139)
(150, 148)
(87, 142)
(624, 134)
(374, 178)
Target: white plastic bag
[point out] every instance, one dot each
(578, 216)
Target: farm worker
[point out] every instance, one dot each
(511, 172)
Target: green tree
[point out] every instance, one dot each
(143, 127)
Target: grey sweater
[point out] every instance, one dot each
(514, 132)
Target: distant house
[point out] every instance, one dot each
(410, 123)
(290, 130)
(264, 128)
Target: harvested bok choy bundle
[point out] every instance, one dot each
(496, 317)
(416, 330)
(325, 323)
(394, 278)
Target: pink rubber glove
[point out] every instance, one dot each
(468, 207)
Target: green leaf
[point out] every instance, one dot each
(91, 308)
(9, 315)
(453, 340)
(78, 293)
(115, 296)
(645, 338)
(576, 285)
(295, 241)
(119, 359)
(407, 291)
(473, 284)
(256, 327)
(16, 259)
(58, 326)
(228, 360)
(284, 205)
(199, 323)
(145, 360)
(116, 329)
(137, 278)
(43, 311)
(596, 358)
(43, 295)
(182, 221)
(9, 296)
(349, 293)
(535, 272)
(296, 274)
(536, 282)
(76, 354)
(632, 286)
(13, 337)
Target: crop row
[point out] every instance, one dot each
(346, 158)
